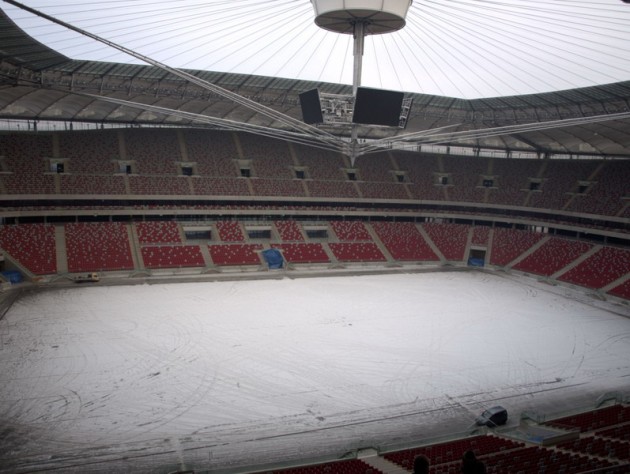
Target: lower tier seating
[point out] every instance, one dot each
(508, 244)
(350, 466)
(172, 256)
(230, 231)
(98, 247)
(623, 290)
(595, 419)
(452, 451)
(159, 232)
(403, 241)
(303, 252)
(289, 231)
(603, 267)
(449, 238)
(356, 252)
(350, 231)
(235, 254)
(552, 256)
(33, 245)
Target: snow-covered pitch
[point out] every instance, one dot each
(223, 374)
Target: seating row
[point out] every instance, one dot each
(157, 156)
(106, 246)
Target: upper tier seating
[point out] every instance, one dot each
(25, 158)
(289, 231)
(213, 152)
(158, 232)
(604, 196)
(277, 187)
(157, 157)
(600, 269)
(93, 185)
(270, 157)
(90, 152)
(421, 170)
(383, 190)
(32, 245)
(466, 173)
(507, 244)
(560, 177)
(98, 246)
(172, 256)
(451, 239)
(26, 183)
(552, 256)
(321, 165)
(154, 153)
(25, 152)
(350, 231)
(230, 231)
(481, 235)
(357, 252)
(303, 252)
(169, 185)
(235, 254)
(404, 241)
(344, 189)
(375, 167)
(220, 187)
(511, 179)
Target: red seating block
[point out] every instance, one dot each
(32, 245)
(600, 269)
(230, 231)
(158, 232)
(289, 231)
(303, 252)
(507, 244)
(623, 290)
(552, 256)
(98, 246)
(356, 252)
(481, 235)
(350, 231)
(172, 256)
(235, 254)
(451, 239)
(594, 419)
(404, 242)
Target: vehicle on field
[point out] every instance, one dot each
(87, 278)
(495, 416)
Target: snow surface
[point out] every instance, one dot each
(220, 375)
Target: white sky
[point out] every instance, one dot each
(459, 48)
(201, 375)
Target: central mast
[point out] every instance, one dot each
(360, 18)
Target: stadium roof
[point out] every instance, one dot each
(39, 83)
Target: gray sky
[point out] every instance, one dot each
(458, 48)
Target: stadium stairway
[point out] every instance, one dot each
(61, 254)
(379, 244)
(431, 244)
(371, 457)
(528, 252)
(615, 284)
(576, 262)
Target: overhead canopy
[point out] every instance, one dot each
(37, 83)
